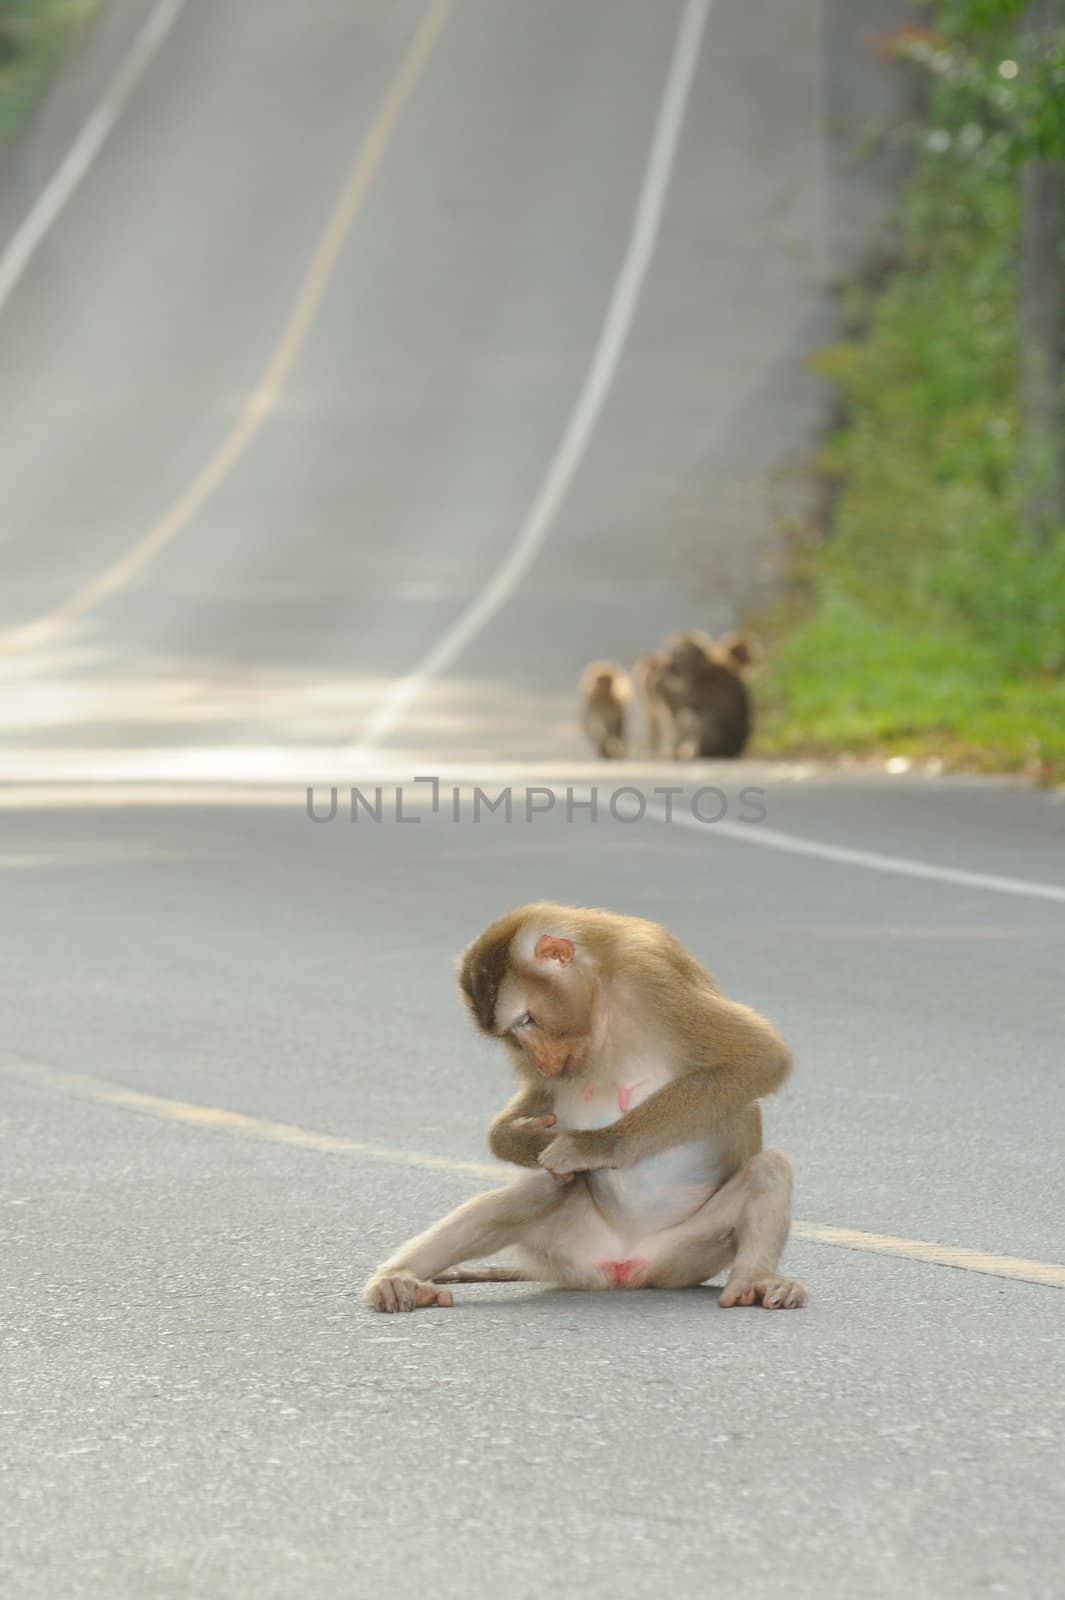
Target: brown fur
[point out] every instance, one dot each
(605, 693)
(739, 651)
(483, 967)
(703, 684)
(570, 991)
(733, 1055)
(647, 674)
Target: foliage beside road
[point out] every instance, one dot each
(33, 37)
(932, 620)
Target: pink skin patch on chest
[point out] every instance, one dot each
(624, 1098)
(589, 1093)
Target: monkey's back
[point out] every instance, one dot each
(722, 706)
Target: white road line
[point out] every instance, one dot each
(761, 837)
(86, 147)
(278, 776)
(596, 387)
(754, 833)
(679, 814)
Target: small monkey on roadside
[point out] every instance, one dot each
(637, 1116)
(605, 692)
(648, 673)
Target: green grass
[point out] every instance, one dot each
(930, 622)
(33, 37)
(851, 680)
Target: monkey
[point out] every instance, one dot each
(605, 691)
(738, 650)
(636, 1117)
(658, 712)
(704, 685)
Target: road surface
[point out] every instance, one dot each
(286, 382)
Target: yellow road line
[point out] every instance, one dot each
(84, 1086)
(941, 1255)
(267, 393)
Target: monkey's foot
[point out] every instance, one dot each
(766, 1289)
(402, 1291)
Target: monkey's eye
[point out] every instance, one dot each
(524, 1021)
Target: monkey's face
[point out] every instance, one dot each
(535, 993)
(554, 1055)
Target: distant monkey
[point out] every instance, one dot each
(605, 690)
(704, 685)
(658, 713)
(637, 1115)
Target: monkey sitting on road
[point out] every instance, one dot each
(637, 1116)
(703, 684)
(605, 691)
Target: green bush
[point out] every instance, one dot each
(941, 619)
(33, 35)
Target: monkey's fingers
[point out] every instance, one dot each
(569, 1153)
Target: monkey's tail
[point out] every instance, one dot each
(483, 1275)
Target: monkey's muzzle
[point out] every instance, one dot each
(555, 1058)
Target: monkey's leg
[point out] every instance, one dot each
(485, 1224)
(685, 735)
(663, 737)
(761, 1234)
(745, 1223)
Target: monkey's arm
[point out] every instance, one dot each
(524, 1128)
(737, 1059)
(699, 1103)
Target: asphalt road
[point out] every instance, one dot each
(233, 1069)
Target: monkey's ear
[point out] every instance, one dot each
(550, 948)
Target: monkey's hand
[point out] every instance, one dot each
(533, 1129)
(579, 1151)
(534, 1126)
(520, 1139)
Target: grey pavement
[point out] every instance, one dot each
(193, 1403)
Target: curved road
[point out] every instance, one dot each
(433, 387)
(351, 301)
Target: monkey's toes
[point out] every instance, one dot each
(784, 1295)
(403, 1292)
(770, 1291)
